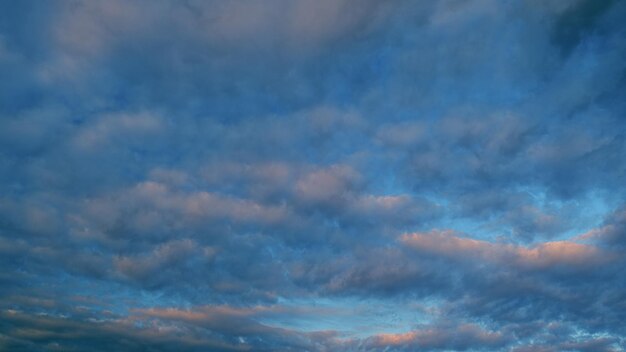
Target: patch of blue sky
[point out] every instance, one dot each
(353, 317)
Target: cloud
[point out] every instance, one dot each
(459, 338)
(541, 256)
(612, 232)
(166, 257)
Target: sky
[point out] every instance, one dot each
(313, 175)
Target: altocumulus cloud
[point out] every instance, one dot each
(312, 175)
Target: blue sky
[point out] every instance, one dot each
(312, 175)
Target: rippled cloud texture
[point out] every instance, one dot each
(313, 175)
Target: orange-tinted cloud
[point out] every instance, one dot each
(449, 244)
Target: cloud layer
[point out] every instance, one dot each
(312, 175)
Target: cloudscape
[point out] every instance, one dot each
(313, 175)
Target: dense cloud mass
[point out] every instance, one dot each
(313, 175)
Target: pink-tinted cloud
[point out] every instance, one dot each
(449, 244)
(440, 338)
